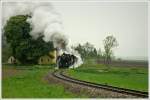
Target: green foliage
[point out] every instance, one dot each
(6, 50)
(24, 48)
(109, 43)
(6, 53)
(87, 50)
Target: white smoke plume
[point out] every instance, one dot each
(44, 20)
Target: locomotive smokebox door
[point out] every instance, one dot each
(66, 60)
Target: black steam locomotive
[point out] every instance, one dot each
(66, 60)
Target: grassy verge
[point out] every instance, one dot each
(29, 84)
(126, 77)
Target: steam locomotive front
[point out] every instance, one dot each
(66, 60)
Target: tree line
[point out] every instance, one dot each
(88, 50)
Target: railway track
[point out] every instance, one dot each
(60, 75)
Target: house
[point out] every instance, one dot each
(12, 60)
(48, 59)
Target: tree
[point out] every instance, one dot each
(87, 50)
(110, 42)
(80, 49)
(15, 30)
(6, 50)
(24, 48)
(99, 53)
(94, 53)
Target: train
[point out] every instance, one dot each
(66, 60)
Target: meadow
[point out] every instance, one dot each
(20, 81)
(28, 82)
(135, 78)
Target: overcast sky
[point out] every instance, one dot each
(92, 22)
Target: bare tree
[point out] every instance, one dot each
(109, 43)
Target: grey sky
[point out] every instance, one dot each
(93, 21)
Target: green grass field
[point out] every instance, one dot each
(135, 78)
(29, 84)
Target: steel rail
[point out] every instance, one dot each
(60, 75)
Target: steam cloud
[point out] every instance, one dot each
(44, 21)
